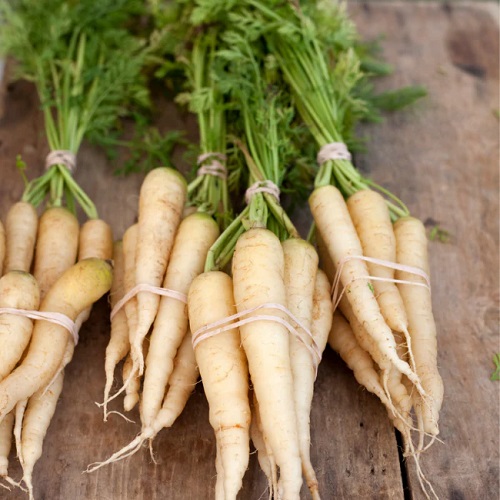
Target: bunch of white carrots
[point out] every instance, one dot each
(383, 327)
(156, 263)
(83, 86)
(265, 323)
(41, 314)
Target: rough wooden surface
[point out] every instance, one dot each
(441, 157)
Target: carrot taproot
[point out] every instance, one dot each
(264, 454)
(195, 235)
(322, 310)
(18, 290)
(6, 427)
(411, 250)
(118, 345)
(78, 287)
(224, 374)
(161, 203)
(372, 220)
(258, 267)
(37, 417)
(21, 226)
(180, 384)
(301, 265)
(132, 384)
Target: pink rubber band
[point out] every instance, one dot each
(144, 287)
(333, 151)
(61, 157)
(266, 186)
(386, 263)
(53, 317)
(226, 324)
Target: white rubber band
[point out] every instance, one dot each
(53, 317)
(61, 157)
(226, 324)
(386, 263)
(144, 287)
(215, 167)
(266, 186)
(333, 151)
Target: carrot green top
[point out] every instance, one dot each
(74, 54)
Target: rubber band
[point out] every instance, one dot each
(386, 263)
(266, 186)
(333, 151)
(215, 167)
(144, 287)
(226, 324)
(53, 317)
(61, 157)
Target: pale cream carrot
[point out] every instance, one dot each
(335, 225)
(21, 228)
(56, 246)
(411, 245)
(301, 265)
(161, 202)
(258, 267)
(37, 417)
(195, 235)
(224, 373)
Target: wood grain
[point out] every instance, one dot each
(441, 157)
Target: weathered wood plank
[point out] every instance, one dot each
(442, 158)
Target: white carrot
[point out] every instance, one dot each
(301, 265)
(412, 251)
(36, 421)
(161, 202)
(56, 246)
(258, 267)
(194, 237)
(224, 373)
(118, 345)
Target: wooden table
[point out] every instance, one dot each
(441, 157)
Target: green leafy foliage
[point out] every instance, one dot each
(87, 68)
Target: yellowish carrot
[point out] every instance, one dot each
(78, 288)
(181, 384)
(119, 344)
(6, 427)
(39, 412)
